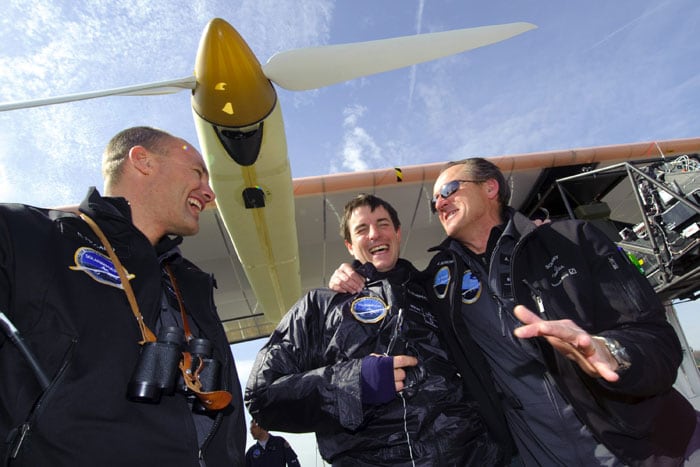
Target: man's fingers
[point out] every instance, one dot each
(585, 359)
(606, 372)
(401, 361)
(530, 322)
(346, 280)
(352, 278)
(565, 330)
(356, 282)
(572, 353)
(525, 316)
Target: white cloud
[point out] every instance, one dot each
(359, 151)
(412, 77)
(271, 26)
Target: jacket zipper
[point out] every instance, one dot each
(536, 296)
(26, 426)
(500, 313)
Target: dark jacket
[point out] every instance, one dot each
(445, 298)
(571, 270)
(307, 378)
(276, 453)
(80, 326)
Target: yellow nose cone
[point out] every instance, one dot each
(231, 89)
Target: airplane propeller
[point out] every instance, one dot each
(147, 89)
(316, 67)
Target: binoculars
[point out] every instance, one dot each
(158, 367)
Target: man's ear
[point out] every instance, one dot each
(348, 245)
(141, 159)
(491, 188)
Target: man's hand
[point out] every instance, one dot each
(571, 341)
(382, 376)
(346, 280)
(401, 362)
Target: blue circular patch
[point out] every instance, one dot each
(471, 287)
(442, 281)
(98, 266)
(369, 309)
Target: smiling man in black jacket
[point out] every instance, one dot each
(85, 289)
(597, 387)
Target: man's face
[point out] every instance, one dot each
(374, 238)
(465, 206)
(255, 430)
(181, 188)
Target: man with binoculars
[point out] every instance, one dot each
(89, 292)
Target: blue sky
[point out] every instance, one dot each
(594, 73)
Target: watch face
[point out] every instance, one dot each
(619, 353)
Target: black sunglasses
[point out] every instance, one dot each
(447, 190)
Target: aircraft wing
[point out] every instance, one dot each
(319, 203)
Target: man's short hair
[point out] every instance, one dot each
(118, 148)
(479, 169)
(373, 202)
(254, 422)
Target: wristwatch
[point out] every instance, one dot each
(618, 352)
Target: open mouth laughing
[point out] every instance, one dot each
(196, 203)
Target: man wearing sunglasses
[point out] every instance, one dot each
(585, 379)
(367, 371)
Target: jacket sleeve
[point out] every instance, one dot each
(290, 457)
(295, 384)
(578, 273)
(632, 313)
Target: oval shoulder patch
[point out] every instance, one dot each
(369, 309)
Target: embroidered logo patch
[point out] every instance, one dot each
(97, 266)
(471, 287)
(442, 281)
(558, 272)
(369, 309)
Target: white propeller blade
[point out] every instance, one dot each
(160, 87)
(316, 67)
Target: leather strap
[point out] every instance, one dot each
(180, 303)
(213, 400)
(146, 333)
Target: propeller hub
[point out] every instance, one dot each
(231, 90)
